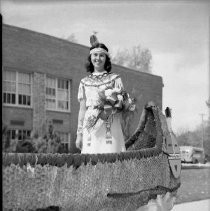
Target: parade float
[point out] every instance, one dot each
(116, 181)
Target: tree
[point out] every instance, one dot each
(5, 139)
(72, 38)
(194, 138)
(50, 143)
(137, 58)
(206, 143)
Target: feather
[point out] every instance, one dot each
(93, 40)
(168, 112)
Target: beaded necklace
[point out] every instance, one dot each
(98, 76)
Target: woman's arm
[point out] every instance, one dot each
(161, 203)
(81, 116)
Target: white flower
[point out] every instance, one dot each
(129, 100)
(108, 92)
(120, 97)
(132, 107)
(117, 90)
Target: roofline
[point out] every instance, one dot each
(44, 35)
(72, 43)
(136, 71)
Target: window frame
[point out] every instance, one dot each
(17, 89)
(56, 94)
(17, 133)
(65, 142)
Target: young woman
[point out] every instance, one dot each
(99, 128)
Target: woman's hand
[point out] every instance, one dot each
(79, 141)
(166, 202)
(162, 203)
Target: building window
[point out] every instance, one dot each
(65, 140)
(9, 87)
(24, 89)
(18, 134)
(51, 93)
(17, 88)
(57, 94)
(11, 134)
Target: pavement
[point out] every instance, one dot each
(202, 205)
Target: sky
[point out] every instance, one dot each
(176, 32)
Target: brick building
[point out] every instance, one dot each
(41, 75)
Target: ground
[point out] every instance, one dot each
(195, 185)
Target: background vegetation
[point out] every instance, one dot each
(198, 137)
(49, 143)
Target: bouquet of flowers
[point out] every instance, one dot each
(116, 100)
(111, 101)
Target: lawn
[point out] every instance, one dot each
(195, 185)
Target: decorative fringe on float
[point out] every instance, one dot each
(89, 187)
(123, 181)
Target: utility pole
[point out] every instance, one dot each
(208, 102)
(202, 126)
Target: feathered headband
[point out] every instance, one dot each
(94, 41)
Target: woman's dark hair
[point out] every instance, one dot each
(107, 66)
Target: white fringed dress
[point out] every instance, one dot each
(105, 136)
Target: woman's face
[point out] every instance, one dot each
(98, 60)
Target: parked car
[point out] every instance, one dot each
(190, 154)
